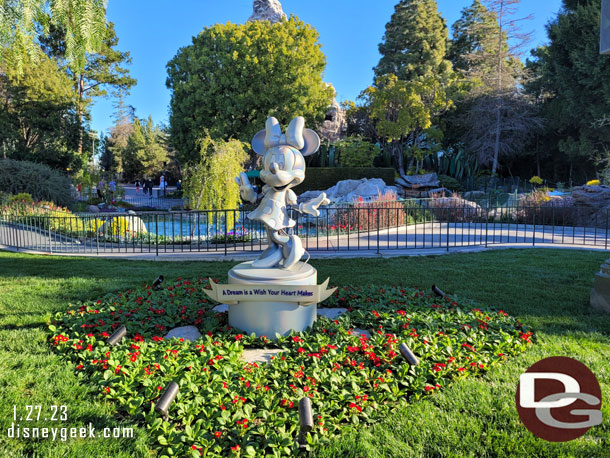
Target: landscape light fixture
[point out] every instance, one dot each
(168, 396)
(305, 420)
(436, 290)
(408, 355)
(157, 283)
(116, 337)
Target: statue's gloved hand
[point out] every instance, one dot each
(311, 207)
(246, 190)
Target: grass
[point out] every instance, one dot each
(546, 289)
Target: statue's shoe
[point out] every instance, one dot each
(292, 252)
(268, 259)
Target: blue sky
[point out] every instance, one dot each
(350, 31)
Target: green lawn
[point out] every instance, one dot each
(546, 289)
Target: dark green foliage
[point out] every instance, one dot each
(572, 82)
(38, 119)
(38, 180)
(234, 76)
(414, 43)
(450, 183)
(357, 152)
(321, 178)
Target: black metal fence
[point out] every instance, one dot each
(413, 224)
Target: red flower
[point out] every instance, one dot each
(235, 448)
(217, 434)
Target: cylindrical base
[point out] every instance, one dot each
(269, 318)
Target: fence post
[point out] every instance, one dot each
(226, 224)
(378, 252)
(606, 245)
(448, 218)
(534, 230)
(487, 226)
(157, 234)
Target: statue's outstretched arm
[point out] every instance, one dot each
(246, 190)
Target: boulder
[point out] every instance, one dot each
(353, 191)
(190, 333)
(593, 204)
(456, 208)
(267, 10)
(94, 209)
(334, 126)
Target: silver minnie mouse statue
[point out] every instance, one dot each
(283, 168)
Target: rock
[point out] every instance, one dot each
(222, 308)
(260, 356)
(362, 332)
(429, 180)
(267, 10)
(94, 209)
(355, 190)
(334, 126)
(456, 208)
(593, 204)
(475, 195)
(137, 225)
(331, 314)
(189, 333)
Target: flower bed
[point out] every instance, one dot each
(229, 407)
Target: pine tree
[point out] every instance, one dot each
(414, 44)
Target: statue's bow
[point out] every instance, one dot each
(293, 136)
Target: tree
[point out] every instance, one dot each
(234, 76)
(404, 111)
(116, 143)
(145, 153)
(209, 184)
(102, 70)
(491, 68)
(573, 82)
(23, 22)
(37, 113)
(414, 44)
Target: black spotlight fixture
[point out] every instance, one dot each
(168, 396)
(408, 355)
(116, 337)
(157, 283)
(437, 291)
(305, 420)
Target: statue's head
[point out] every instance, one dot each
(283, 154)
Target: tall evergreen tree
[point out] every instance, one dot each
(414, 44)
(103, 70)
(146, 151)
(574, 82)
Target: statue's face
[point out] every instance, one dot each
(283, 167)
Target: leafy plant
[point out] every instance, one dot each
(357, 152)
(227, 406)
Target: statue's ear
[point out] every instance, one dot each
(258, 142)
(312, 142)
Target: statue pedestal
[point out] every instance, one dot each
(269, 318)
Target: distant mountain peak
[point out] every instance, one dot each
(267, 10)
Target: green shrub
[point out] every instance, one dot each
(40, 181)
(23, 197)
(320, 178)
(357, 152)
(450, 183)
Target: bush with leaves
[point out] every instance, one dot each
(229, 407)
(357, 152)
(39, 180)
(210, 183)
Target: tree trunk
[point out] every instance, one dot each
(79, 113)
(400, 162)
(499, 103)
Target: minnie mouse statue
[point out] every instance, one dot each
(283, 169)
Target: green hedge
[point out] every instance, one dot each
(322, 178)
(39, 180)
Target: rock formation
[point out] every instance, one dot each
(334, 126)
(267, 10)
